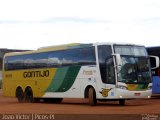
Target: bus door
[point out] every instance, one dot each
(108, 78)
(107, 70)
(110, 73)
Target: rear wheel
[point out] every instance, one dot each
(29, 95)
(92, 97)
(20, 95)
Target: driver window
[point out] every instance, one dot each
(110, 71)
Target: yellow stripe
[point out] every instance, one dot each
(44, 49)
(132, 87)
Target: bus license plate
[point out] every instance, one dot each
(137, 94)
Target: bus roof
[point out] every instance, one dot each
(51, 48)
(65, 46)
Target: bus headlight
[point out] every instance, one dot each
(149, 96)
(121, 87)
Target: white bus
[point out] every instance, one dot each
(99, 72)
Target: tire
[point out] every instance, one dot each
(29, 95)
(92, 97)
(122, 102)
(20, 95)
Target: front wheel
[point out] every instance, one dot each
(92, 97)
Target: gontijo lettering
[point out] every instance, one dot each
(29, 74)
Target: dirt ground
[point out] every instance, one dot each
(79, 108)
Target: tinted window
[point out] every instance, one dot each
(82, 56)
(110, 71)
(87, 56)
(14, 62)
(35, 60)
(104, 53)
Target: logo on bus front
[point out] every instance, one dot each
(105, 92)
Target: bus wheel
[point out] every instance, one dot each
(92, 97)
(122, 102)
(20, 95)
(29, 95)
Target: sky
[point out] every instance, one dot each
(30, 24)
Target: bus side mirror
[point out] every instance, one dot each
(118, 59)
(154, 60)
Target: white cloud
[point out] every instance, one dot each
(29, 24)
(35, 10)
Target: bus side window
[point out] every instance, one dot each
(104, 52)
(110, 71)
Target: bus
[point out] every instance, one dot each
(96, 71)
(154, 51)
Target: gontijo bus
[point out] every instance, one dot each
(99, 71)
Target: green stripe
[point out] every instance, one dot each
(69, 79)
(142, 86)
(58, 79)
(64, 79)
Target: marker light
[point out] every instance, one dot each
(121, 96)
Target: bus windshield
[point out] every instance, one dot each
(134, 70)
(135, 65)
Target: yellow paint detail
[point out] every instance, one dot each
(105, 92)
(73, 44)
(44, 49)
(132, 87)
(35, 78)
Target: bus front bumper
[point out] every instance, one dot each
(126, 94)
